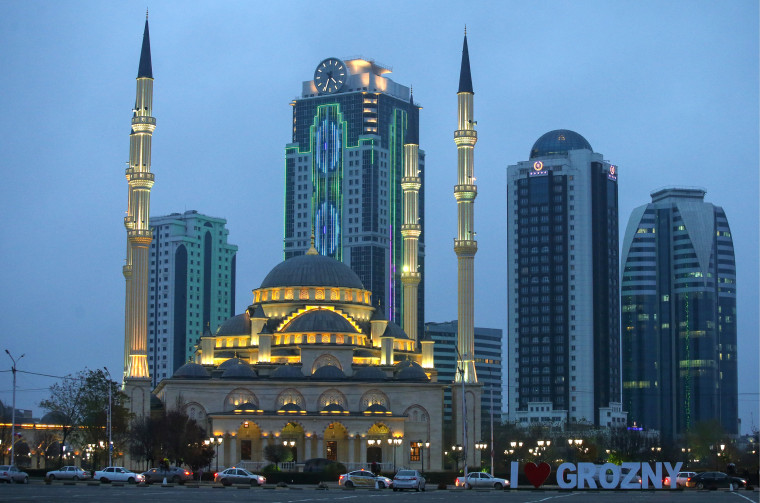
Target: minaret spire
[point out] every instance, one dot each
(411, 228)
(465, 245)
(139, 237)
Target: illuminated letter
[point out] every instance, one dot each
(633, 469)
(673, 473)
(571, 479)
(612, 481)
(647, 475)
(514, 469)
(586, 474)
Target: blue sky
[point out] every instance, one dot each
(668, 91)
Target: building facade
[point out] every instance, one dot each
(488, 358)
(679, 314)
(563, 311)
(343, 177)
(191, 286)
(313, 363)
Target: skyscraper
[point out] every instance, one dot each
(563, 312)
(488, 357)
(343, 178)
(192, 286)
(679, 314)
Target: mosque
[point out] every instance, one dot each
(311, 364)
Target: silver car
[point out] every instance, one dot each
(68, 473)
(409, 479)
(11, 473)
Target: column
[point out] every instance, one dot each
(320, 448)
(362, 450)
(307, 448)
(351, 451)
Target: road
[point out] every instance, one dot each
(41, 493)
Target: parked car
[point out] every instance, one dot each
(680, 479)
(364, 478)
(408, 479)
(481, 480)
(713, 480)
(68, 473)
(174, 474)
(117, 474)
(11, 473)
(239, 476)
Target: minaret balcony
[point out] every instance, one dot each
(143, 123)
(411, 183)
(465, 246)
(140, 234)
(129, 223)
(465, 192)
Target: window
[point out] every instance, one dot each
(414, 454)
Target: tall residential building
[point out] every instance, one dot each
(679, 314)
(488, 356)
(192, 286)
(345, 178)
(563, 312)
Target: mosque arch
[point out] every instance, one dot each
(196, 412)
(417, 414)
(332, 396)
(249, 441)
(372, 397)
(324, 360)
(336, 441)
(237, 397)
(289, 396)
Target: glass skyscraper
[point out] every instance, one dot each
(343, 174)
(192, 286)
(563, 312)
(679, 314)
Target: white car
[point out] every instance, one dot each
(408, 479)
(364, 478)
(239, 476)
(118, 474)
(68, 473)
(482, 480)
(682, 477)
(11, 473)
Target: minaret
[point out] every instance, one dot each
(411, 228)
(465, 244)
(139, 237)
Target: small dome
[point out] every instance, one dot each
(376, 408)
(287, 372)
(191, 371)
(312, 270)
(232, 362)
(320, 320)
(247, 407)
(237, 325)
(333, 408)
(328, 373)
(291, 408)
(404, 364)
(412, 373)
(394, 331)
(369, 374)
(54, 417)
(239, 372)
(558, 141)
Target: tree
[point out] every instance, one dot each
(80, 405)
(277, 453)
(67, 403)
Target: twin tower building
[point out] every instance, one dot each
(331, 353)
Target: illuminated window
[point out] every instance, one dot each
(320, 294)
(304, 294)
(414, 454)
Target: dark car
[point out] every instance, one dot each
(714, 480)
(174, 474)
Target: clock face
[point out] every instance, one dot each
(330, 75)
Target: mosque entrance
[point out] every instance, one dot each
(374, 455)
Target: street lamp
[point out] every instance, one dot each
(426, 445)
(395, 442)
(456, 452)
(216, 441)
(481, 446)
(13, 410)
(110, 442)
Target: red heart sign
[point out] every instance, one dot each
(537, 475)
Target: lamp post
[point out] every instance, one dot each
(291, 444)
(426, 445)
(395, 442)
(481, 446)
(456, 452)
(13, 410)
(110, 441)
(216, 441)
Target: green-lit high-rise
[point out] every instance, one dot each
(678, 296)
(343, 178)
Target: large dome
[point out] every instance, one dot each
(558, 141)
(320, 320)
(312, 270)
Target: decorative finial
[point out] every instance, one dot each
(465, 29)
(146, 14)
(312, 250)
